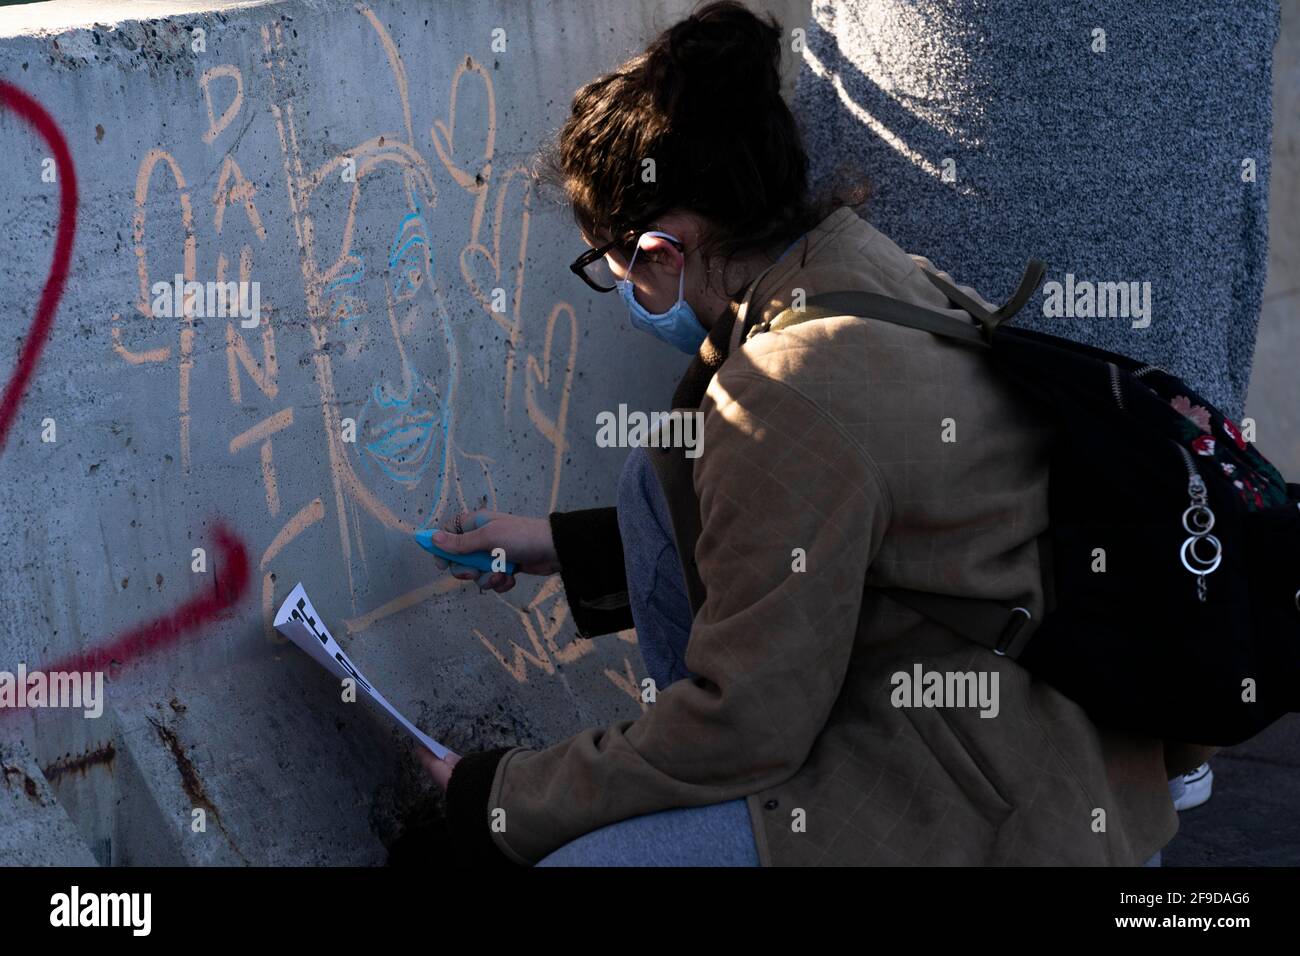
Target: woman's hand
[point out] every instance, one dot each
(526, 541)
(440, 769)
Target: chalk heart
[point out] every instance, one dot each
(444, 136)
(545, 390)
(503, 265)
(482, 273)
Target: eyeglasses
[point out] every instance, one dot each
(593, 268)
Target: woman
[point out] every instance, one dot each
(840, 456)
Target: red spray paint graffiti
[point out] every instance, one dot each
(12, 98)
(232, 579)
(232, 568)
(232, 576)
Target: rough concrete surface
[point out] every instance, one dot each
(228, 161)
(1114, 166)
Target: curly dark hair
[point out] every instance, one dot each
(703, 101)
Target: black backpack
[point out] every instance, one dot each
(1191, 632)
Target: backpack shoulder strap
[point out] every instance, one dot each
(871, 305)
(884, 308)
(1029, 281)
(1001, 629)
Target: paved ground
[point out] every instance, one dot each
(1253, 818)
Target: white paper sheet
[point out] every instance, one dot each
(298, 621)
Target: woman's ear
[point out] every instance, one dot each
(662, 252)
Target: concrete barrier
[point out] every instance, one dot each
(363, 164)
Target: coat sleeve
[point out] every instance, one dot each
(792, 512)
(589, 547)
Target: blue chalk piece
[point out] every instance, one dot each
(479, 560)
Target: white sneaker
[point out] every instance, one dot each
(1192, 789)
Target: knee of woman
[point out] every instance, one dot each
(640, 499)
(590, 849)
(631, 480)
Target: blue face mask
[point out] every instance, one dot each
(678, 326)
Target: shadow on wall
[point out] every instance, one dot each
(1083, 138)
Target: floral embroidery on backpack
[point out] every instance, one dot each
(1197, 413)
(1258, 484)
(1234, 433)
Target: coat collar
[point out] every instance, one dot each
(732, 327)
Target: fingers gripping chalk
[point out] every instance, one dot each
(478, 560)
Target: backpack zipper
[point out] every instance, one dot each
(1115, 385)
(1198, 519)
(1193, 476)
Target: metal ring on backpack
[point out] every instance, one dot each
(1213, 563)
(1209, 521)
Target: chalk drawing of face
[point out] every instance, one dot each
(382, 351)
(403, 426)
(390, 347)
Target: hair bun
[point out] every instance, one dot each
(703, 100)
(723, 50)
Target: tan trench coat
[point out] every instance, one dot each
(826, 440)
